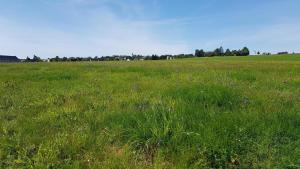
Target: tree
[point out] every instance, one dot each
(234, 53)
(64, 59)
(36, 58)
(221, 51)
(27, 59)
(228, 52)
(239, 53)
(283, 53)
(57, 59)
(200, 53)
(245, 51)
(210, 54)
(197, 53)
(155, 57)
(217, 52)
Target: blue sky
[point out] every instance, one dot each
(105, 27)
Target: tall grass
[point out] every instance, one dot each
(194, 113)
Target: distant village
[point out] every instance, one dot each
(198, 53)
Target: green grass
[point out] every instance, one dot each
(222, 112)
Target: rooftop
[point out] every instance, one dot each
(6, 58)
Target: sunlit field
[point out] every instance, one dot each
(221, 112)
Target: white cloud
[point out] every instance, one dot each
(271, 38)
(279, 37)
(103, 33)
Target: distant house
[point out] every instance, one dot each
(4, 58)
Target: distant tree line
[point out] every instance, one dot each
(283, 53)
(220, 52)
(268, 53)
(109, 58)
(198, 53)
(34, 59)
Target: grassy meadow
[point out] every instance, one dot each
(221, 112)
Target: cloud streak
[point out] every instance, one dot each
(103, 32)
(271, 38)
